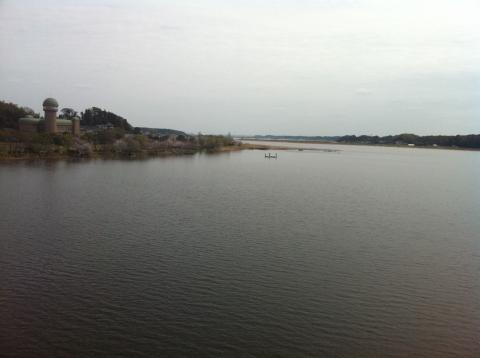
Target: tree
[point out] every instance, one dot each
(10, 113)
(28, 110)
(68, 112)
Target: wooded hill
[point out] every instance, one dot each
(95, 116)
(158, 131)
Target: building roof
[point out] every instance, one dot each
(29, 120)
(50, 102)
(64, 122)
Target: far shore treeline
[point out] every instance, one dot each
(104, 134)
(460, 141)
(471, 141)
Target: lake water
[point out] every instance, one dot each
(363, 252)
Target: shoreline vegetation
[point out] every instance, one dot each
(108, 143)
(114, 143)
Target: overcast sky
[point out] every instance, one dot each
(324, 67)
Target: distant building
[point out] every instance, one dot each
(51, 124)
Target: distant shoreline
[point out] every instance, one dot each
(357, 144)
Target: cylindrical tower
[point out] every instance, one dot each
(50, 107)
(76, 126)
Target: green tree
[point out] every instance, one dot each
(10, 113)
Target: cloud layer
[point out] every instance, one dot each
(289, 67)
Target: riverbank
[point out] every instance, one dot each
(101, 154)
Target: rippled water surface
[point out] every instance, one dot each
(363, 252)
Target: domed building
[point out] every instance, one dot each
(50, 102)
(51, 124)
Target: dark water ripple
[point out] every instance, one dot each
(366, 252)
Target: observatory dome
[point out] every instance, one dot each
(50, 102)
